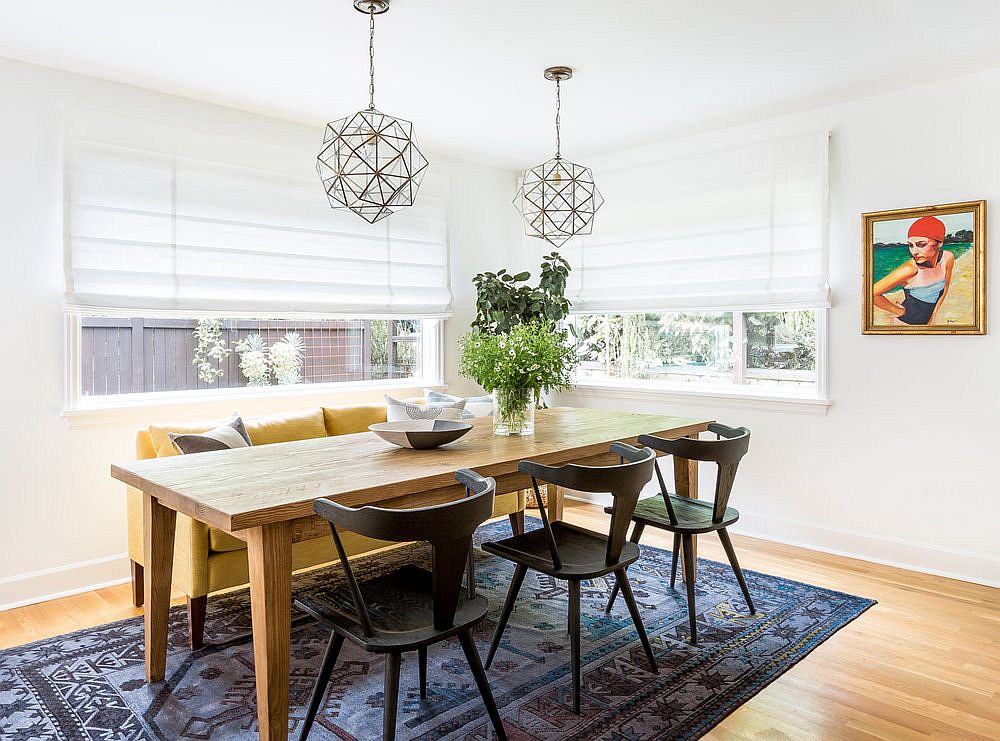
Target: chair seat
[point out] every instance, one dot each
(582, 552)
(401, 608)
(693, 515)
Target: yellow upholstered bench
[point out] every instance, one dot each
(207, 560)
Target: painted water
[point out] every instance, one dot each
(888, 259)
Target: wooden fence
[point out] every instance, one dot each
(123, 356)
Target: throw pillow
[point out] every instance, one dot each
(398, 411)
(231, 435)
(475, 406)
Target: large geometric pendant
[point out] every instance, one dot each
(370, 164)
(557, 200)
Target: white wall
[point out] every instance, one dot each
(901, 469)
(62, 518)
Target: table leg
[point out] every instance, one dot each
(686, 484)
(270, 555)
(158, 553)
(557, 496)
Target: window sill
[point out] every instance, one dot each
(729, 396)
(184, 405)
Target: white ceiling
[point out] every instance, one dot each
(468, 73)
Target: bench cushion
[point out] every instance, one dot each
(276, 428)
(347, 420)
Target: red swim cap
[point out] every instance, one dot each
(929, 227)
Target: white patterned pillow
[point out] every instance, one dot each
(398, 411)
(475, 406)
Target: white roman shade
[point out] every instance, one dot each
(741, 228)
(167, 219)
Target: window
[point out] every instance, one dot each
(122, 355)
(709, 268)
(777, 349)
(164, 223)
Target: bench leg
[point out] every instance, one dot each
(196, 621)
(137, 587)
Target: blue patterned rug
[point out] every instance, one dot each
(89, 684)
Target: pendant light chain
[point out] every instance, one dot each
(558, 110)
(370, 163)
(371, 57)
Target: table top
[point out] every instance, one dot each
(249, 487)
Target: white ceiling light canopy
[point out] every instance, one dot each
(558, 198)
(370, 162)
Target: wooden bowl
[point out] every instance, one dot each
(420, 434)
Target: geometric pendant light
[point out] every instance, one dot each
(558, 198)
(370, 162)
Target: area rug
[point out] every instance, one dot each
(89, 684)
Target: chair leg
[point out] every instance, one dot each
(677, 553)
(731, 553)
(621, 579)
(472, 656)
(138, 594)
(574, 640)
(390, 696)
(636, 534)
(688, 545)
(508, 608)
(322, 680)
(470, 575)
(517, 522)
(196, 621)
(422, 660)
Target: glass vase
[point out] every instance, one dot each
(514, 411)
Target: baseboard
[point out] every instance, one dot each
(63, 581)
(969, 566)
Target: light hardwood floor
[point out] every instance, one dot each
(923, 663)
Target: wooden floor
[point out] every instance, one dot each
(923, 663)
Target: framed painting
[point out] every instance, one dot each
(925, 270)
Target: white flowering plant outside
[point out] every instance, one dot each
(211, 350)
(286, 359)
(254, 360)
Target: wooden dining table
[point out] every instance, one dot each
(264, 496)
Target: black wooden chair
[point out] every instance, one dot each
(411, 608)
(575, 554)
(686, 517)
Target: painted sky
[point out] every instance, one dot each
(894, 232)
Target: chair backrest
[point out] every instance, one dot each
(624, 482)
(447, 527)
(726, 451)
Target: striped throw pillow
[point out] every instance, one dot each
(231, 435)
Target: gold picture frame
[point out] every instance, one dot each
(924, 270)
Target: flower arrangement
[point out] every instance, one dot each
(515, 366)
(286, 359)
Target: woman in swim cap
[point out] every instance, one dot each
(925, 278)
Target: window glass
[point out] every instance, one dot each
(141, 355)
(776, 348)
(675, 346)
(780, 347)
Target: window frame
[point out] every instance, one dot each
(76, 404)
(739, 388)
